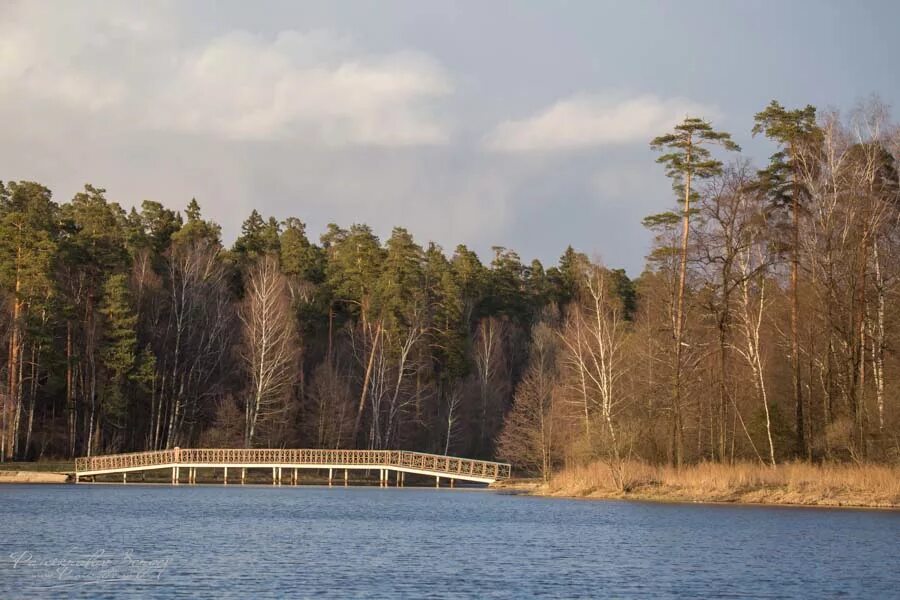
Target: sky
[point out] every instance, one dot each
(516, 124)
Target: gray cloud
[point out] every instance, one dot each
(311, 85)
(585, 121)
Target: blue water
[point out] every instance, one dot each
(137, 541)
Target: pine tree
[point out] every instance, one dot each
(28, 246)
(687, 157)
(794, 131)
(119, 351)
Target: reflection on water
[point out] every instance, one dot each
(136, 541)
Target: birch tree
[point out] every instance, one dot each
(270, 345)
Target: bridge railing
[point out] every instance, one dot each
(434, 463)
(125, 461)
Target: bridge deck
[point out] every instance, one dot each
(399, 461)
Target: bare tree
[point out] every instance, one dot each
(753, 265)
(490, 367)
(193, 334)
(331, 406)
(594, 339)
(527, 438)
(270, 345)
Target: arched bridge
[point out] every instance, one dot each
(386, 462)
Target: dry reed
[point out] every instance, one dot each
(792, 483)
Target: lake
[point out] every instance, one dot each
(135, 541)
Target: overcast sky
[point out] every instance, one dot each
(521, 124)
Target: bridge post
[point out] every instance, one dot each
(452, 482)
(177, 475)
(437, 481)
(330, 476)
(243, 474)
(273, 476)
(346, 477)
(294, 480)
(173, 475)
(225, 477)
(124, 476)
(280, 479)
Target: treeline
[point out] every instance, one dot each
(139, 330)
(764, 326)
(766, 320)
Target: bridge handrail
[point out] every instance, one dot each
(436, 463)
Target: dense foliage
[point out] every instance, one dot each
(763, 327)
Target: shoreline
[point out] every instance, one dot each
(790, 485)
(25, 476)
(529, 489)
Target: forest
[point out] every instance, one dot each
(764, 326)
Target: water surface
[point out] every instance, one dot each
(136, 541)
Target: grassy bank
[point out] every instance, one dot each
(793, 484)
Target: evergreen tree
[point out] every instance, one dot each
(28, 243)
(687, 157)
(195, 229)
(796, 132)
(119, 351)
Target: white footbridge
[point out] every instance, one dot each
(239, 460)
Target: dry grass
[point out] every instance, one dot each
(794, 483)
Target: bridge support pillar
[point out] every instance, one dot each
(274, 478)
(243, 475)
(76, 477)
(225, 477)
(437, 481)
(294, 479)
(346, 477)
(452, 482)
(330, 476)
(125, 477)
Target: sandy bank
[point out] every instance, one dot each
(33, 477)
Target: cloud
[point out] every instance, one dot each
(241, 86)
(586, 121)
(129, 67)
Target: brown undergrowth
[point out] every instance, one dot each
(792, 483)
